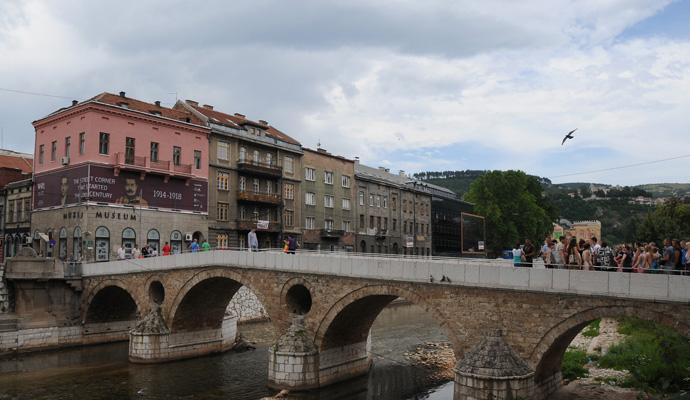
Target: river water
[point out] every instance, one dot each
(103, 372)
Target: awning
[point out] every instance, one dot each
(44, 237)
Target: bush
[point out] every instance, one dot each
(658, 358)
(573, 364)
(592, 330)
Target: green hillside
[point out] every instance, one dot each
(667, 189)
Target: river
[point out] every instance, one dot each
(103, 372)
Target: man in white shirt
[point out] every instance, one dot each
(120, 253)
(594, 247)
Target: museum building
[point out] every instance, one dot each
(113, 171)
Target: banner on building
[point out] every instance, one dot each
(262, 224)
(100, 184)
(409, 241)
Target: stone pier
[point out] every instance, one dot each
(293, 362)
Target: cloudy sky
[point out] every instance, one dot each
(411, 85)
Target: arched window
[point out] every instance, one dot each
(76, 243)
(102, 244)
(129, 241)
(243, 154)
(62, 244)
(176, 242)
(9, 246)
(153, 239)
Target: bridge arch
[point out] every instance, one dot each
(110, 301)
(351, 317)
(547, 356)
(202, 300)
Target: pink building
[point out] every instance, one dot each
(114, 171)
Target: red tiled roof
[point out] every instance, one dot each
(142, 106)
(237, 121)
(25, 164)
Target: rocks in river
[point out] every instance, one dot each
(437, 357)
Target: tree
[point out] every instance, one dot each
(670, 220)
(514, 206)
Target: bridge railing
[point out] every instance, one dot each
(444, 271)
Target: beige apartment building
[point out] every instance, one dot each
(328, 190)
(254, 179)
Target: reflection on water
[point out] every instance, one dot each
(103, 372)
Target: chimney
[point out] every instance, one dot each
(401, 173)
(75, 102)
(356, 160)
(192, 103)
(263, 122)
(158, 103)
(239, 115)
(208, 106)
(122, 94)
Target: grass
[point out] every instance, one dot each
(657, 357)
(592, 330)
(573, 365)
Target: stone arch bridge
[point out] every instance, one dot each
(323, 306)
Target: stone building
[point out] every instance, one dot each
(254, 175)
(14, 167)
(115, 171)
(394, 212)
(578, 229)
(328, 190)
(17, 216)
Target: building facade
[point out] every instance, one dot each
(14, 167)
(115, 171)
(254, 175)
(394, 212)
(446, 222)
(328, 190)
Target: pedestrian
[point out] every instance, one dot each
(292, 245)
(252, 240)
(595, 247)
(120, 253)
(145, 251)
(605, 257)
(517, 255)
(587, 263)
(135, 252)
(194, 247)
(529, 252)
(654, 258)
(667, 258)
(549, 255)
(558, 251)
(205, 246)
(166, 249)
(573, 258)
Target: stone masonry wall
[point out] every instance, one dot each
(246, 306)
(4, 300)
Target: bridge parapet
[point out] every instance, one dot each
(462, 271)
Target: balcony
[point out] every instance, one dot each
(381, 233)
(258, 197)
(332, 233)
(259, 168)
(248, 224)
(124, 161)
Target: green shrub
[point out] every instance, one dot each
(573, 363)
(592, 330)
(657, 357)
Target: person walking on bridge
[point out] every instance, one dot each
(530, 251)
(252, 241)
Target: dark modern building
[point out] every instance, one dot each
(446, 223)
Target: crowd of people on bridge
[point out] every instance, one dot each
(673, 257)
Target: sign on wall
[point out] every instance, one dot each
(99, 184)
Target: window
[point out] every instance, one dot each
(269, 187)
(222, 240)
(310, 199)
(154, 151)
(11, 212)
(41, 153)
(243, 183)
(328, 201)
(222, 153)
(289, 218)
(82, 143)
(394, 203)
(256, 187)
(287, 164)
(309, 222)
(269, 159)
(153, 239)
(255, 158)
(129, 240)
(68, 144)
(103, 143)
(345, 181)
(309, 174)
(328, 177)
(395, 224)
(102, 244)
(361, 221)
(197, 159)
(243, 213)
(222, 181)
(243, 154)
(378, 223)
(346, 204)
(328, 224)
(129, 150)
(371, 200)
(222, 212)
(378, 201)
(177, 155)
(76, 244)
(289, 190)
(371, 222)
(62, 244)
(385, 222)
(347, 226)
(53, 150)
(176, 242)
(385, 201)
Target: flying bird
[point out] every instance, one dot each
(568, 136)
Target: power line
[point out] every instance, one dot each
(34, 93)
(621, 167)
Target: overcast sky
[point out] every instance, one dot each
(411, 85)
